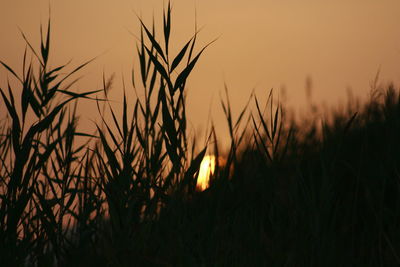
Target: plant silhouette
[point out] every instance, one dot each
(288, 192)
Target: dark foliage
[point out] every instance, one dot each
(320, 193)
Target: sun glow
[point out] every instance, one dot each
(207, 167)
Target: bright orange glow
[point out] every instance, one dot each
(207, 167)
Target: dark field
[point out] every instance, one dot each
(290, 192)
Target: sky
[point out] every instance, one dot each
(262, 44)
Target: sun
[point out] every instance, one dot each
(207, 167)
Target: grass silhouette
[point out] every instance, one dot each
(289, 193)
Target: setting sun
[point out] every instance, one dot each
(207, 167)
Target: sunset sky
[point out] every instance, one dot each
(261, 44)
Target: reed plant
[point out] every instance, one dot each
(39, 183)
(288, 193)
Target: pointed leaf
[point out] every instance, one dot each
(79, 95)
(181, 79)
(275, 122)
(31, 47)
(180, 56)
(112, 160)
(124, 118)
(153, 41)
(11, 70)
(159, 68)
(167, 26)
(262, 120)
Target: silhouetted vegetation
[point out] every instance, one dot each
(317, 192)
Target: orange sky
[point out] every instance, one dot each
(262, 44)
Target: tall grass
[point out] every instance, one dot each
(38, 182)
(288, 194)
